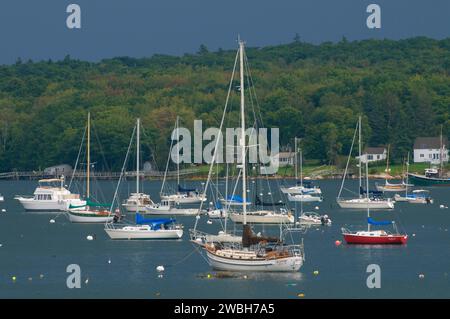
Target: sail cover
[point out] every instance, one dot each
(362, 191)
(181, 189)
(155, 223)
(258, 202)
(235, 198)
(381, 223)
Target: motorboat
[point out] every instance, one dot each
(312, 218)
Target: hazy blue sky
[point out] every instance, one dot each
(37, 29)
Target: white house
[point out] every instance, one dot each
(373, 154)
(286, 158)
(428, 149)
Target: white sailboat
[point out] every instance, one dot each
(89, 212)
(50, 195)
(361, 202)
(391, 187)
(143, 228)
(182, 195)
(254, 253)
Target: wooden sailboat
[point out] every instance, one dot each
(361, 202)
(254, 253)
(91, 212)
(391, 187)
(374, 237)
(162, 228)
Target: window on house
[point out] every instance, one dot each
(422, 155)
(370, 157)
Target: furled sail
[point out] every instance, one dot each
(381, 223)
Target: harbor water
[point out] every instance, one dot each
(34, 255)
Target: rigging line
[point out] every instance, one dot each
(168, 159)
(151, 147)
(348, 161)
(184, 258)
(218, 138)
(123, 169)
(78, 156)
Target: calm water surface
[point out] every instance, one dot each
(37, 253)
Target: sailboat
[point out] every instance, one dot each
(182, 195)
(162, 228)
(390, 187)
(254, 253)
(90, 212)
(433, 176)
(376, 202)
(418, 196)
(304, 188)
(374, 237)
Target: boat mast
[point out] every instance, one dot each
(88, 168)
(138, 124)
(178, 156)
(367, 194)
(440, 156)
(296, 159)
(359, 143)
(387, 162)
(407, 176)
(244, 186)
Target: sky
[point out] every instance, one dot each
(37, 30)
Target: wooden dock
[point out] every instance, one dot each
(32, 175)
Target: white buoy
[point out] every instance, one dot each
(52, 221)
(316, 208)
(86, 281)
(421, 276)
(3, 210)
(441, 206)
(109, 261)
(209, 222)
(197, 217)
(89, 237)
(160, 268)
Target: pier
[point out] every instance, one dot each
(32, 175)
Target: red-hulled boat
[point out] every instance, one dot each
(376, 237)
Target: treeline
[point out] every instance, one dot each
(315, 92)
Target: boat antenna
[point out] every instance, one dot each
(359, 144)
(367, 193)
(244, 186)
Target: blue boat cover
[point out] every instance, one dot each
(218, 205)
(185, 190)
(236, 198)
(155, 223)
(374, 222)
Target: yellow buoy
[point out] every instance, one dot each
(14, 278)
(209, 276)
(301, 295)
(316, 272)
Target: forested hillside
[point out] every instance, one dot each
(315, 92)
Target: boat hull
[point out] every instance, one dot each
(119, 233)
(30, 204)
(361, 204)
(422, 180)
(170, 211)
(288, 264)
(183, 200)
(84, 217)
(304, 198)
(262, 219)
(375, 240)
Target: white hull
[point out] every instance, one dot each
(217, 214)
(304, 198)
(412, 200)
(363, 203)
(77, 217)
(269, 218)
(130, 233)
(288, 264)
(301, 189)
(166, 210)
(183, 199)
(223, 238)
(228, 203)
(1, 198)
(32, 204)
(132, 208)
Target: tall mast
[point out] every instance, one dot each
(244, 186)
(359, 143)
(367, 193)
(387, 161)
(301, 168)
(88, 170)
(295, 158)
(441, 155)
(178, 155)
(407, 176)
(138, 124)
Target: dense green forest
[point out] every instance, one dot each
(402, 89)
